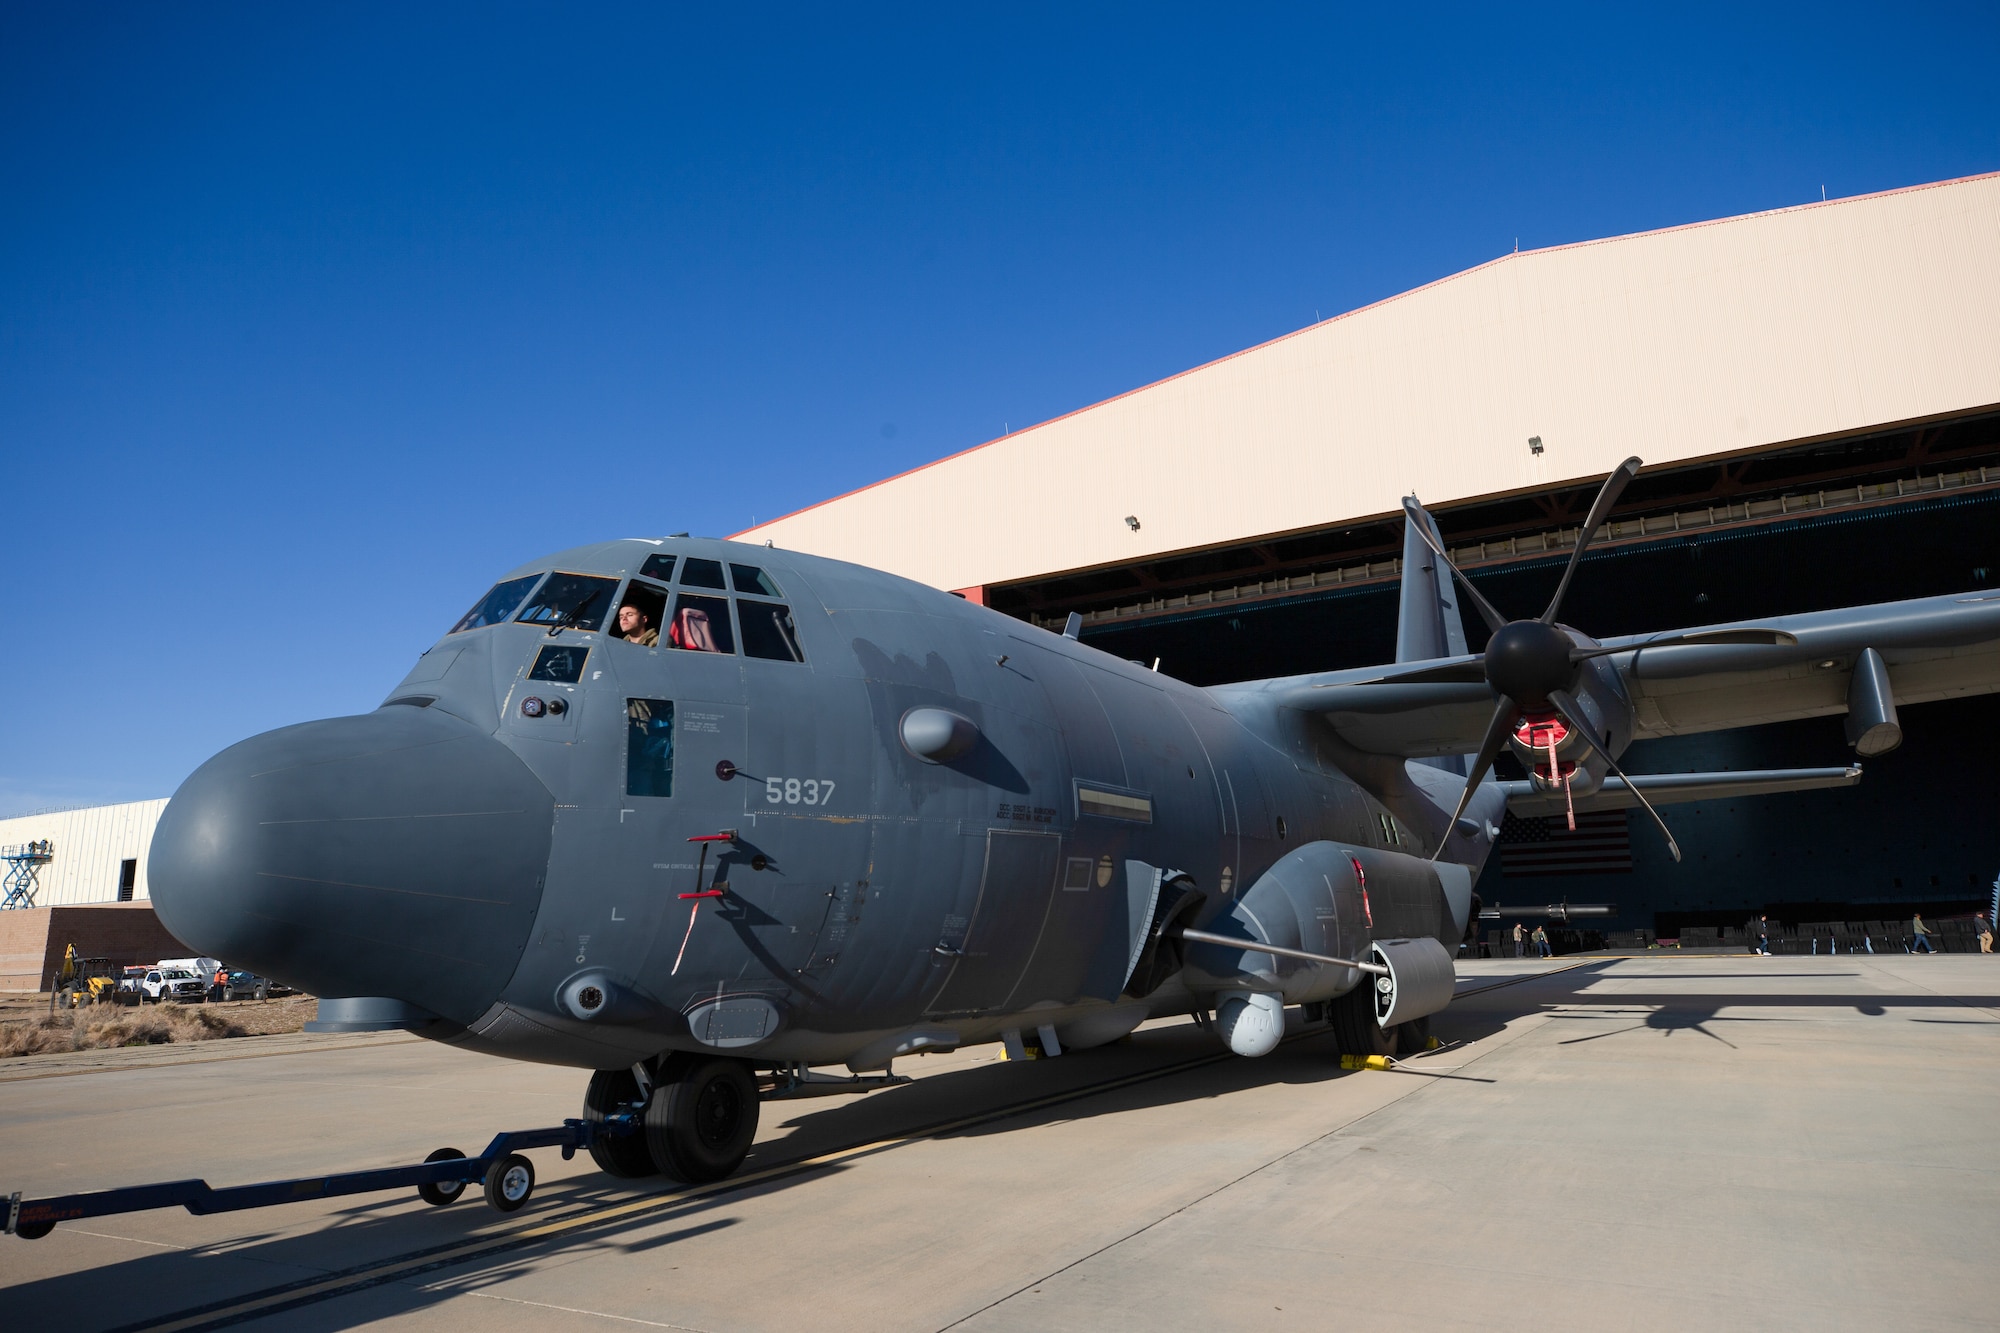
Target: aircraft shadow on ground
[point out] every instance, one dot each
(1871, 1005)
(379, 1229)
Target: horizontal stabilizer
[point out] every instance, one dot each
(1679, 788)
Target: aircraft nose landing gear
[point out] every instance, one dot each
(702, 1118)
(699, 1113)
(617, 1092)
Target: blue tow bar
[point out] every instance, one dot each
(508, 1177)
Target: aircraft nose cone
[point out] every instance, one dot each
(399, 853)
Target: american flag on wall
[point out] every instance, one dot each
(1543, 844)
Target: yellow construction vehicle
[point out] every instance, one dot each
(82, 981)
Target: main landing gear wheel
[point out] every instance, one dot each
(613, 1092)
(509, 1182)
(438, 1193)
(702, 1118)
(33, 1230)
(1355, 1030)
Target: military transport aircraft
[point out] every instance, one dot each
(700, 816)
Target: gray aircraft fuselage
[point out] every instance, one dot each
(507, 846)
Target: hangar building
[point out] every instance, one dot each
(1815, 392)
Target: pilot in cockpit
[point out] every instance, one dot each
(635, 626)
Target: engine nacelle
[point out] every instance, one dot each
(1327, 898)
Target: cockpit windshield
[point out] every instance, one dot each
(570, 601)
(497, 604)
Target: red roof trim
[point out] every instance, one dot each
(1360, 310)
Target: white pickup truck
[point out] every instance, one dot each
(172, 983)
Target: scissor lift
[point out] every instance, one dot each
(24, 864)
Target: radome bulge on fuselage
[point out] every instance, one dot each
(826, 815)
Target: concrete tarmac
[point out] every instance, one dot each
(1660, 1142)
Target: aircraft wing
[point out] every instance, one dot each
(1934, 648)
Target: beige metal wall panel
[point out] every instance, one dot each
(1674, 345)
(89, 845)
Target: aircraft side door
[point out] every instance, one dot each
(1016, 884)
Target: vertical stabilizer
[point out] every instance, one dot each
(1428, 625)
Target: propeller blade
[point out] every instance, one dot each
(1759, 638)
(1504, 714)
(1570, 714)
(1600, 509)
(1494, 620)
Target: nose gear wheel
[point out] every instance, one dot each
(613, 1092)
(702, 1118)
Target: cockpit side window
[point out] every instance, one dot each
(750, 579)
(701, 624)
(768, 631)
(570, 601)
(701, 573)
(659, 567)
(560, 662)
(641, 613)
(649, 747)
(497, 604)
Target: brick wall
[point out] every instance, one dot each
(32, 941)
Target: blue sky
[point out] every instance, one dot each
(314, 318)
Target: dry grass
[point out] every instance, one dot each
(154, 1025)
